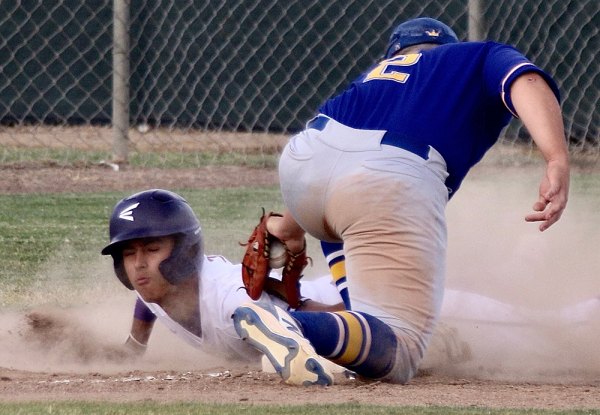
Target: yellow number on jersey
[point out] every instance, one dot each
(388, 70)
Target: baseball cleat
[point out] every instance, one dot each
(276, 334)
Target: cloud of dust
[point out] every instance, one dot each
(81, 330)
(543, 278)
(492, 252)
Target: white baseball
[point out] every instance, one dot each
(277, 255)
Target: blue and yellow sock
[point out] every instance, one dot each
(357, 341)
(334, 254)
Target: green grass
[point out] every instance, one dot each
(77, 408)
(56, 236)
(35, 228)
(73, 157)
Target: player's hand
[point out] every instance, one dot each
(56, 331)
(553, 196)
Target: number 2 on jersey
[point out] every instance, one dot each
(390, 69)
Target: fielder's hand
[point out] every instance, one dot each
(256, 268)
(553, 196)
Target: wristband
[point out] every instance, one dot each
(134, 344)
(142, 312)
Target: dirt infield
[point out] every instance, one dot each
(229, 383)
(69, 360)
(247, 385)
(43, 179)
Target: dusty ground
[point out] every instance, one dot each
(252, 386)
(224, 383)
(74, 362)
(43, 179)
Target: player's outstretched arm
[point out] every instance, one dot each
(138, 336)
(141, 328)
(540, 112)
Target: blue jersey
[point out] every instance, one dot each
(455, 98)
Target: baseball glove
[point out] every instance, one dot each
(256, 268)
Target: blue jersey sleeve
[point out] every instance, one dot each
(503, 65)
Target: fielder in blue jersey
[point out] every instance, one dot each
(373, 172)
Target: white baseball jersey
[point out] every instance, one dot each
(221, 291)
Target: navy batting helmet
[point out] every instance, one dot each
(421, 30)
(155, 213)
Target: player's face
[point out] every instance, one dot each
(141, 258)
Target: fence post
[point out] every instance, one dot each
(476, 23)
(120, 79)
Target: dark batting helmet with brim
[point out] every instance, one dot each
(156, 213)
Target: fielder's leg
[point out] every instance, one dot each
(357, 341)
(334, 254)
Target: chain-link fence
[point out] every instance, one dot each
(101, 78)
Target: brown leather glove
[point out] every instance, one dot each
(256, 268)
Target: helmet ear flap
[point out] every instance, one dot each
(185, 260)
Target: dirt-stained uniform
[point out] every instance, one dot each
(374, 171)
